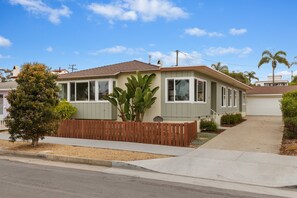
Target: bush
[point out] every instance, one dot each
(208, 125)
(289, 104)
(291, 124)
(231, 119)
(65, 110)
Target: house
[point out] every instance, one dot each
(278, 81)
(185, 94)
(266, 100)
(5, 87)
(60, 71)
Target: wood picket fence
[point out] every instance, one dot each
(173, 134)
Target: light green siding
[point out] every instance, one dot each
(193, 111)
(96, 110)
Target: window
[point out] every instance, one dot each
(200, 90)
(103, 89)
(178, 90)
(229, 98)
(223, 96)
(92, 90)
(1, 104)
(82, 91)
(63, 91)
(72, 91)
(234, 98)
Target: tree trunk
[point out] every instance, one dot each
(35, 141)
(273, 76)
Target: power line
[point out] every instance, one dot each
(72, 67)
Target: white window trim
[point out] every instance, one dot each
(110, 89)
(191, 87)
(224, 99)
(229, 97)
(235, 98)
(201, 102)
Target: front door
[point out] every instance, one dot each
(240, 101)
(213, 97)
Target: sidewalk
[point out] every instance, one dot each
(262, 169)
(127, 146)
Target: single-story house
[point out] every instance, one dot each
(186, 92)
(265, 100)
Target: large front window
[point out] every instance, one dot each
(178, 90)
(93, 90)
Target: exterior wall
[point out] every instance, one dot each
(181, 111)
(94, 110)
(5, 104)
(155, 110)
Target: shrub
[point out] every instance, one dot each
(208, 125)
(231, 119)
(65, 110)
(291, 124)
(289, 104)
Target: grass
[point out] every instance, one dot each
(202, 138)
(77, 151)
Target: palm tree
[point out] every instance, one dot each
(219, 67)
(278, 57)
(294, 62)
(250, 75)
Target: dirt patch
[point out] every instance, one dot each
(289, 147)
(202, 138)
(77, 151)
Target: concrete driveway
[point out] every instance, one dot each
(256, 134)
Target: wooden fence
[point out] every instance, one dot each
(174, 134)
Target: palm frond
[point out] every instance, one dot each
(264, 60)
(267, 53)
(280, 53)
(282, 60)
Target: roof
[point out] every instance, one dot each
(110, 70)
(270, 81)
(209, 72)
(8, 85)
(271, 89)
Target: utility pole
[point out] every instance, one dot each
(150, 59)
(292, 75)
(176, 57)
(72, 67)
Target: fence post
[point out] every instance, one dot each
(186, 134)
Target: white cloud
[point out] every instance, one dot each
(184, 59)
(234, 31)
(4, 56)
(201, 32)
(146, 10)
(49, 49)
(286, 73)
(37, 7)
(219, 51)
(119, 49)
(4, 42)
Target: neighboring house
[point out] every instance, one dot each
(278, 81)
(186, 93)
(5, 87)
(266, 100)
(60, 71)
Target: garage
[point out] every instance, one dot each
(266, 100)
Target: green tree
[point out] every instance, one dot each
(32, 104)
(294, 62)
(238, 76)
(278, 57)
(293, 81)
(133, 102)
(250, 75)
(219, 67)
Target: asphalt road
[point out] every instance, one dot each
(35, 181)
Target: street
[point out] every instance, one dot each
(29, 180)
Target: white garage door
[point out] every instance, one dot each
(265, 105)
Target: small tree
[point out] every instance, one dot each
(32, 104)
(219, 67)
(250, 75)
(139, 97)
(65, 110)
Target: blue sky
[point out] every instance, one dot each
(92, 33)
